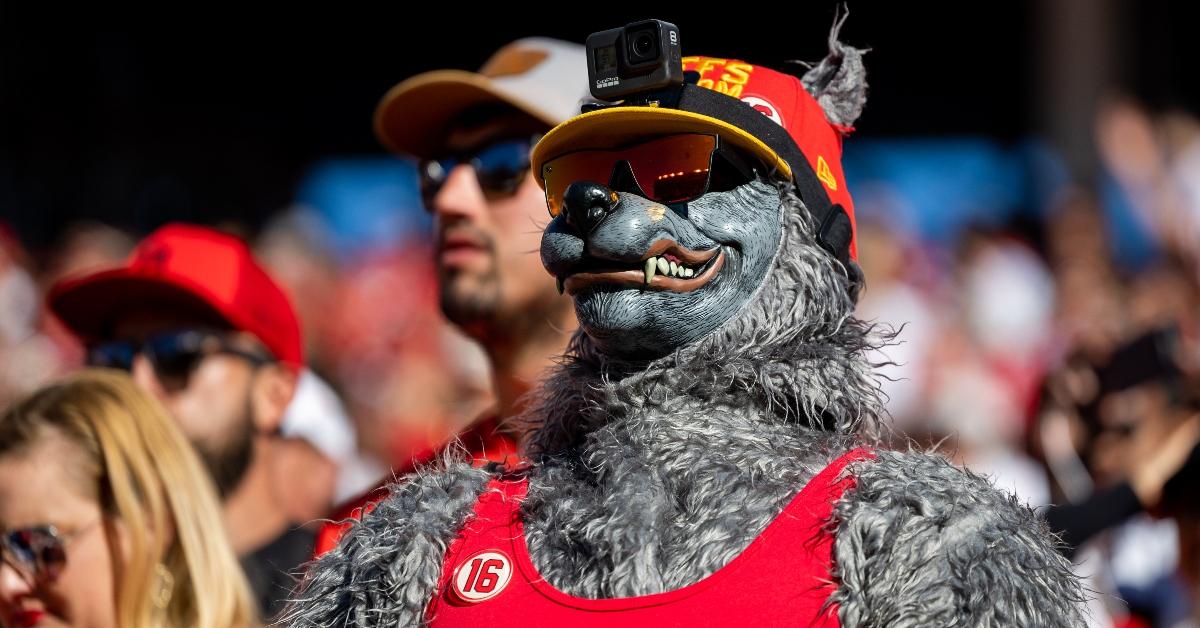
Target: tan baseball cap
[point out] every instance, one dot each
(546, 78)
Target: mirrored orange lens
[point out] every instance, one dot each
(561, 172)
(668, 169)
(674, 168)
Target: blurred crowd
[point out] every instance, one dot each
(1027, 351)
(1030, 354)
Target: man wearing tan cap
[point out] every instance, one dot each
(472, 133)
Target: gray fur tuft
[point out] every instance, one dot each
(921, 543)
(839, 81)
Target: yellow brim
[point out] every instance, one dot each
(620, 126)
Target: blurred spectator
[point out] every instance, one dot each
(86, 247)
(973, 340)
(895, 296)
(292, 247)
(29, 353)
(35, 348)
(321, 432)
(410, 377)
(977, 422)
(204, 329)
(1089, 316)
(1156, 160)
(473, 133)
(107, 517)
(1114, 434)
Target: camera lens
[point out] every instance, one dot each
(643, 45)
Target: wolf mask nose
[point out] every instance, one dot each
(586, 203)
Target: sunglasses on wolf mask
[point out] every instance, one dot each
(174, 355)
(668, 169)
(499, 167)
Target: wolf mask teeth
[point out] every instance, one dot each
(667, 267)
(661, 266)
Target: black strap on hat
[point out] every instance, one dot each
(833, 224)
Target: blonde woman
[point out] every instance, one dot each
(107, 517)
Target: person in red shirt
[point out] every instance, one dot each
(472, 134)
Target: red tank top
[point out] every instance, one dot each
(781, 579)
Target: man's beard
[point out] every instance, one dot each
(227, 462)
(468, 299)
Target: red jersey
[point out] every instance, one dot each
(783, 578)
(483, 441)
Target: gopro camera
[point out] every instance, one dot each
(639, 57)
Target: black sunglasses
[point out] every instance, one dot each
(174, 355)
(500, 167)
(38, 553)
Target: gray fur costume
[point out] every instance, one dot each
(679, 425)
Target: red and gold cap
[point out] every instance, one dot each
(766, 113)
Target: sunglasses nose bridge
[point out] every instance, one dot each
(586, 203)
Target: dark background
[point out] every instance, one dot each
(212, 113)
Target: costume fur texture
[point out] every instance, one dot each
(651, 474)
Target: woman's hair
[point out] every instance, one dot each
(140, 469)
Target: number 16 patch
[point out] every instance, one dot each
(482, 576)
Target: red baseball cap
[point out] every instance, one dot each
(190, 266)
(734, 100)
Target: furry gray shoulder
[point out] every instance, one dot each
(922, 543)
(386, 568)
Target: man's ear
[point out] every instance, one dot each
(272, 392)
(839, 81)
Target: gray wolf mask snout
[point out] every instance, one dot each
(648, 278)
